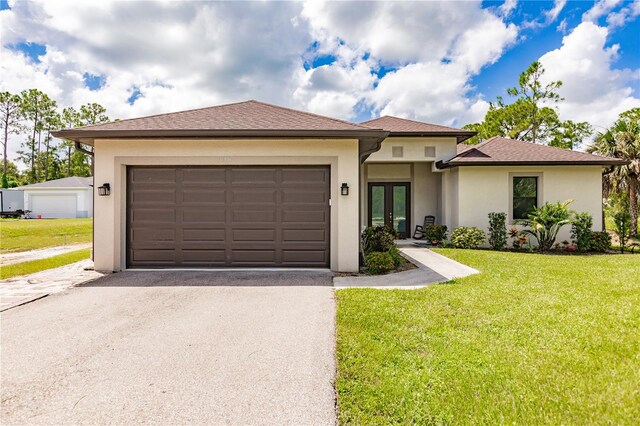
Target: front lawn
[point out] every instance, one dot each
(29, 234)
(32, 266)
(533, 339)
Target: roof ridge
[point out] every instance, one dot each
(160, 114)
(225, 105)
(553, 147)
(412, 120)
(475, 147)
(308, 113)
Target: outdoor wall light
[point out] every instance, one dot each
(104, 190)
(344, 189)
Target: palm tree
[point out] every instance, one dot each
(622, 141)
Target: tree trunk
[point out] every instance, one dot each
(633, 204)
(4, 148)
(69, 161)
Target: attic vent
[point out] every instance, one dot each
(397, 151)
(429, 151)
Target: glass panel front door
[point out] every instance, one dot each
(389, 205)
(377, 205)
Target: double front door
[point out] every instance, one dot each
(389, 205)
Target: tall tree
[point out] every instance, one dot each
(530, 117)
(35, 106)
(622, 140)
(10, 122)
(70, 118)
(534, 93)
(91, 114)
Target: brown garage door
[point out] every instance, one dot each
(228, 216)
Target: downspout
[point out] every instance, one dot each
(366, 147)
(80, 148)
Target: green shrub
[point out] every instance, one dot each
(497, 230)
(622, 226)
(467, 237)
(435, 233)
(545, 222)
(378, 239)
(600, 241)
(581, 231)
(396, 256)
(379, 262)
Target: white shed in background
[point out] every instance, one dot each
(70, 197)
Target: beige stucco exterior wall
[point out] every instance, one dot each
(413, 149)
(486, 189)
(112, 157)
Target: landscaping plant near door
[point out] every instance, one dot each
(545, 222)
(497, 230)
(380, 251)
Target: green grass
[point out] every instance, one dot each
(32, 266)
(533, 339)
(29, 234)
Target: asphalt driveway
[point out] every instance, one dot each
(174, 348)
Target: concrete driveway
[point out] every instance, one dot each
(174, 348)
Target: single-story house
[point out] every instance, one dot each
(70, 197)
(252, 184)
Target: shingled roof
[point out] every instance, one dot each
(499, 151)
(244, 119)
(64, 183)
(404, 127)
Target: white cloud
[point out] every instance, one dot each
(434, 91)
(593, 90)
(599, 9)
(507, 8)
(624, 15)
(549, 16)
(420, 42)
(552, 14)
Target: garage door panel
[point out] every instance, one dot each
(297, 197)
(253, 176)
(298, 176)
(204, 215)
(254, 216)
(149, 215)
(304, 234)
(204, 177)
(153, 234)
(253, 235)
(199, 256)
(254, 196)
(204, 196)
(155, 196)
(304, 216)
(200, 234)
(305, 256)
(228, 216)
(153, 175)
(267, 256)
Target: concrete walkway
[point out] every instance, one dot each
(431, 268)
(19, 290)
(25, 256)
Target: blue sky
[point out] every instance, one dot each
(437, 62)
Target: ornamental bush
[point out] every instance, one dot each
(600, 241)
(396, 256)
(467, 237)
(379, 262)
(378, 239)
(581, 231)
(545, 222)
(435, 233)
(497, 230)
